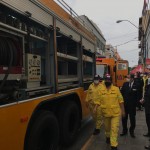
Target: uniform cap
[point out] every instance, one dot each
(96, 77)
(108, 77)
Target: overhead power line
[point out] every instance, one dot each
(127, 35)
(127, 42)
(127, 51)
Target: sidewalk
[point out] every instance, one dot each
(125, 143)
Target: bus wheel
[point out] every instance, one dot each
(44, 133)
(69, 120)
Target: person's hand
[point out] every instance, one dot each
(141, 101)
(134, 89)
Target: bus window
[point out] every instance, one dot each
(122, 66)
(101, 70)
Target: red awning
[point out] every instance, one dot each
(147, 61)
(147, 66)
(139, 68)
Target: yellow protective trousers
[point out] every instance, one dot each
(97, 117)
(111, 125)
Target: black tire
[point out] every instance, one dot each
(69, 121)
(44, 134)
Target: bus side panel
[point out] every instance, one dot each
(122, 72)
(15, 118)
(14, 121)
(85, 112)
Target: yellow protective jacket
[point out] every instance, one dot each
(110, 101)
(93, 94)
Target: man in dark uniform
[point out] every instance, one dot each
(146, 102)
(129, 93)
(139, 81)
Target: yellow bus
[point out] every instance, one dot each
(118, 69)
(47, 62)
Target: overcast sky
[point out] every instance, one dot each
(105, 13)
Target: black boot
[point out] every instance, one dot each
(96, 131)
(147, 147)
(107, 140)
(113, 148)
(146, 135)
(132, 134)
(123, 133)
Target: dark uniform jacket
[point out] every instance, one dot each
(140, 84)
(147, 99)
(130, 95)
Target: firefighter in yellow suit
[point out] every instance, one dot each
(92, 99)
(112, 106)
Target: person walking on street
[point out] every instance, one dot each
(129, 93)
(146, 102)
(140, 83)
(112, 106)
(93, 102)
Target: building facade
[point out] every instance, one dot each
(144, 35)
(100, 40)
(111, 52)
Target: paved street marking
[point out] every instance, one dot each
(88, 143)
